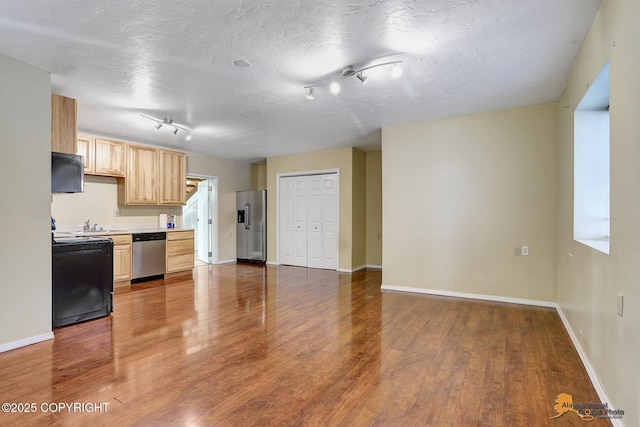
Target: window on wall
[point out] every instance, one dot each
(591, 171)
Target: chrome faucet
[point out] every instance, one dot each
(87, 225)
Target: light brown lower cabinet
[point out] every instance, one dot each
(121, 259)
(180, 251)
(179, 255)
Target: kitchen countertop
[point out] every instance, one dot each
(114, 232)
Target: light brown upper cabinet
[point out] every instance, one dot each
(86, 149)
(152, 176)
(64, 124)
(173, 177)
(110, 157)
(140, 185)
(102, 156)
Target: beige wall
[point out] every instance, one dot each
(342, 159)
(587, 280)
(25, 179)
(359, 210)
(99, 204)
(460, 194)
(259, 177)
(374, 208)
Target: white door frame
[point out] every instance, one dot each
(214, 225)
(305, 173)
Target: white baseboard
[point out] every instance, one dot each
(470, 296)
(576, 344)
(352, 270)
(227, 261)
(272, 263)
(587, 365)
(26, 341)
(374, 266)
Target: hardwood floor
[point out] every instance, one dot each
(281, 346)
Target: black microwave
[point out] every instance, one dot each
(67, 173)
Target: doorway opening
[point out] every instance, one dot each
(201, 214)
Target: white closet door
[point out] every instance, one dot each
(329, 224)
(287, 221)
(315, 221)
(309, 221)
(300, 220)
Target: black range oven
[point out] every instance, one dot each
(82, 279)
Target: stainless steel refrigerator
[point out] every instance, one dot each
(251, 227)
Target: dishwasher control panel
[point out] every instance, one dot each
(144, 237)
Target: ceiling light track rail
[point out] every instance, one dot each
(169, 123)
(352, 70)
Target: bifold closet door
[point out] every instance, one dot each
(330, 221)
(293, 221)
(315, 222)
(309, 221)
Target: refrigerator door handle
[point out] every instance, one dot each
(247, 222)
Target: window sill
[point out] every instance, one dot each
(601, 245)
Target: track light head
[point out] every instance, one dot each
(175, 131)
(362, 78)
(158, 126)
(311, 93)
(348, 71)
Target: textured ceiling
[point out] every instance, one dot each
(175, 59)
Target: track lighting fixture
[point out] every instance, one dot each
(169, 122)
(352, 70)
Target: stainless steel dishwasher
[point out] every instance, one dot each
(149, 255)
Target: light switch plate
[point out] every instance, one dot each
(525, 251)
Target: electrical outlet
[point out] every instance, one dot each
(525, 251)
(518, 251)
(620, 305)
